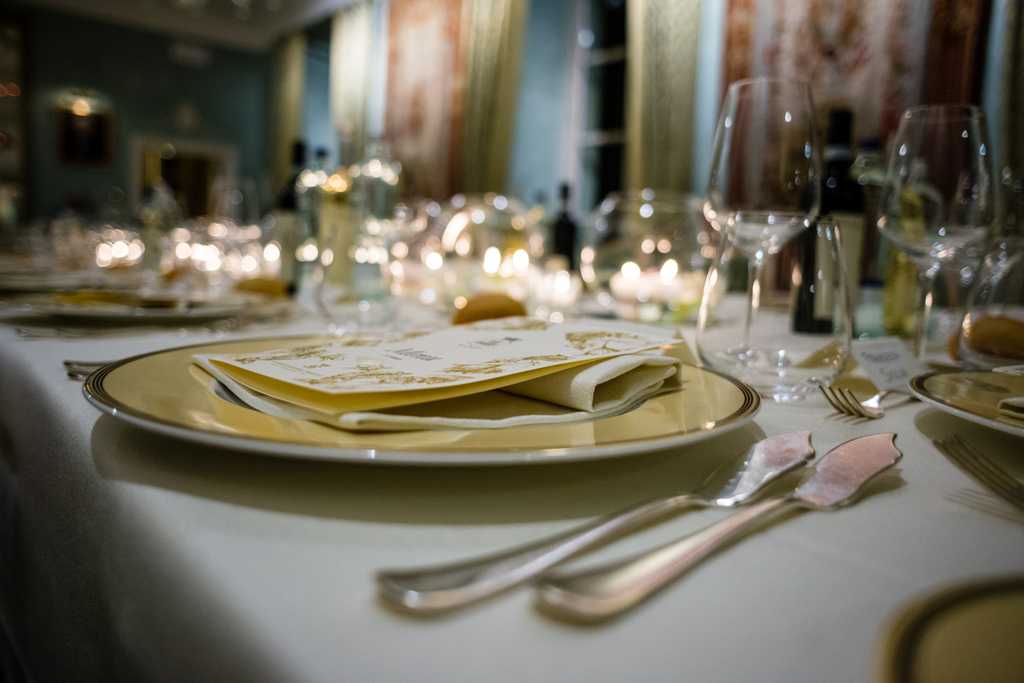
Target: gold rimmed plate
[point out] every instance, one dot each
(101, 312)
(973, 396)
(165, 392)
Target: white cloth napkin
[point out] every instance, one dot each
(604, 388)
(1012, 407)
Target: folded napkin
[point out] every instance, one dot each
(583, 392)
(1012, 407)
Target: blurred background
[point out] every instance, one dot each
(376, 145)
(513, 96)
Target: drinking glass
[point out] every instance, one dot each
(938, 201)
(763, 190)
(992, 333)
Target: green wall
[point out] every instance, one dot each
(135, 70)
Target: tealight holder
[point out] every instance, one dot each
(646, 256)
(444, 254)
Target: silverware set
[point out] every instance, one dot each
(604, 592)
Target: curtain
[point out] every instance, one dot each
(492, 46)
(424, 104)
(351, 42)
(956, 51)
(286, 105)
(661, 59)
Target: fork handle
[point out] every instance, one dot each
(605, 591)
(445, 587)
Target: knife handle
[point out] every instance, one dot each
(446, 587)
(605, 591)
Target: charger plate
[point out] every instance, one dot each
(48, 306)
(973, 396)
(165, 392)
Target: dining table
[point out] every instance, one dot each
(127, 555)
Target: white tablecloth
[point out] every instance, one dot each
(128, 556)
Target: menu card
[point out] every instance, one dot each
(364, 372)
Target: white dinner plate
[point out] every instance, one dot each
(165, 392)
(973, 396)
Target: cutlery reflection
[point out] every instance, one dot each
(608, 590)
(446, 587)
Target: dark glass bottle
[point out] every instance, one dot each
(842, 201)
(287, 225)
(563, 229)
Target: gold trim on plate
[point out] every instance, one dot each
(162, 391)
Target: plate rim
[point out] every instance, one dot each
(100, 399)
(918, 389)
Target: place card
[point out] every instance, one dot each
(887, 361)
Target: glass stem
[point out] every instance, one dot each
(925, 283)
(754, 264)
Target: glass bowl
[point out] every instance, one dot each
(444, 254)
(646, 256)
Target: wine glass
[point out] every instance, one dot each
(938, 201)
(764, 190)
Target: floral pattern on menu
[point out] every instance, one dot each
(447, 357)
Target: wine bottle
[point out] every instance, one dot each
(563, 229)
(287, 223)
(842, 202)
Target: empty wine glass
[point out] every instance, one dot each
(763, 190)
(938, 200)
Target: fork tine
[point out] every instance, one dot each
(852, 403)
(993, 469)
(968, 460)
(827, 393)
(1005, 489)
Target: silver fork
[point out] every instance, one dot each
(994, 477)
(847, 403)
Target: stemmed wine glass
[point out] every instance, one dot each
(938, 201)
(764, 190)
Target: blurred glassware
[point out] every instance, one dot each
(418, 228)
(357, 211)
(1012, 218)
(780, 362)
(70, 242)
(646, 256)
(376, 181)
(443, 255)
(117, 247)
(938, 197)
(338, 223)
(489, 243)
(159, 214)
(764, 188)
(992, 333)
(213, 254)
(555, 292)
